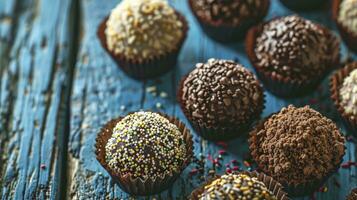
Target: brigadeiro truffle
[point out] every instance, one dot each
(144, 152)
(143, 36)
(228, 20)
(245, 185)
(221, 99)
(343, 86)
(344, 13)
(352, 195)
(298, 147)
(303, 5)
(291, 55)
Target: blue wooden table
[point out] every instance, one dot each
(58, 87)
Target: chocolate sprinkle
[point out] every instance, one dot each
(222, 93)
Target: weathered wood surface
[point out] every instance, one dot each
(35, 50)
(49, 123)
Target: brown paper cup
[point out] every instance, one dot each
(272, 185)
(221, 133)
(149, 68)
(138, 186)
(347, 35)
(286, 86)
(295, 190)
(226, 32)
(336, 82)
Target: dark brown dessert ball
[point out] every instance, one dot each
(228, 20)
(221, 98)
(292, 55)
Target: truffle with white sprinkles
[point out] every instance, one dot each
(221, 93)
(145, 144)
(143, 29)
(348, 94)
(296, 48)
(236, 187)
(348, 15)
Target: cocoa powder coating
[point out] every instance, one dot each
(297, 146)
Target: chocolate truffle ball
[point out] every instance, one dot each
(347, 15)
(348, 94)
(232, 12)
(294, 48)
(236, 186)
(352, 195)
(221, 95)
(297, 146)
(143, 29)
(228, 20)
(145, 144)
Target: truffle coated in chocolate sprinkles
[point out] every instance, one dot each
(297, 145)
(231, 12)
(221, 93)
(236, 186)
(145, 144)
(294, 47)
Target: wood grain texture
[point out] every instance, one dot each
(38, 45)
(35, 47)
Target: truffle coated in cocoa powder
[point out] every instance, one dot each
(297, 145)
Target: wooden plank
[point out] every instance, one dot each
(35, 50)
(100, 90)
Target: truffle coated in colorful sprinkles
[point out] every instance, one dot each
(236, 187)
(145, 144)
